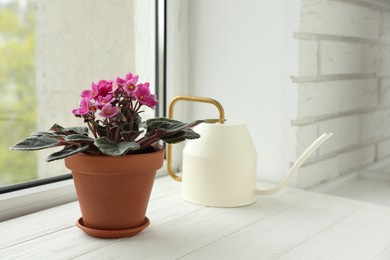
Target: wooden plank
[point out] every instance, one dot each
(28, 227)
(362, 235)
(165, 212)
(55, 243)
(293, 224)
(164, 186)
(384, 254)
(271, 237)
(187, 233)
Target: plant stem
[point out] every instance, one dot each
(117, 136)
(107, 128)
(92, 129)
(146, 141)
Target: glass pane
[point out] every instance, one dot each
(17, 81)
(51, 50)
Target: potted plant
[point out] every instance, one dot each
(114, 167)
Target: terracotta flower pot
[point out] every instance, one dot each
(113, 192)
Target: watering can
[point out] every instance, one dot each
(219, 168)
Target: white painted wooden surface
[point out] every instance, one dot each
(293, 224)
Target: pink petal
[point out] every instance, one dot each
(108, 111)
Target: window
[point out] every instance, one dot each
(17, 81)
(53, 50)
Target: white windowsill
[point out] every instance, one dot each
(18, 203)
(293, 224)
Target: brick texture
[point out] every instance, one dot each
(343, 86)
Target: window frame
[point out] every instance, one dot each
(36, 195)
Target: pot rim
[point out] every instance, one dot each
(92, 164)
(158, 148)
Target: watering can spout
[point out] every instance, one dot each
(296, 166)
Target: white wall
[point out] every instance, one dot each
(241, 53)
(292, 70)
(343, 85)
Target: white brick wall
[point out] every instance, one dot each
(346, 131)
(308, 51)
(337, 57)
(327, 98)
(356, 158)
(383, 149)
(386, 28)
(306, 134)
(384, 97)
(375, 126)
(340, 18)
(343, 85)
(323, 170)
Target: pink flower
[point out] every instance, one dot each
(128, 84)
(143, 96)
(102, 101)
(150, 101)
(84, 107)
(104, 87)
(109, 111)
(90, 93)
(101, 89)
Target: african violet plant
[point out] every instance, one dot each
(111, 110)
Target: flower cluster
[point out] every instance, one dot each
(111, 111)
(110, 96)
(117, 103)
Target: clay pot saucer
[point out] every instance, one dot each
(112, 233)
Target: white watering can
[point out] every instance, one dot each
(219, 169)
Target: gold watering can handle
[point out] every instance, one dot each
(170, 116)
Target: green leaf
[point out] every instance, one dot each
(35, 143)
(174, 138)
(102, 131)
(69, 130)
(171, 131)
(78, 130)
(161, 122)
(111, 148)
(137, 122)
(78, 138)
(127, 115)
(67, 151)
(168, 125)
(180, 136)
(191, 134)
(130, 135)
(48, 134)
(57, 128)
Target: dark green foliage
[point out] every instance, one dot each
(36, 143)
(76, 139)
(113, 149)
(67, 151)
